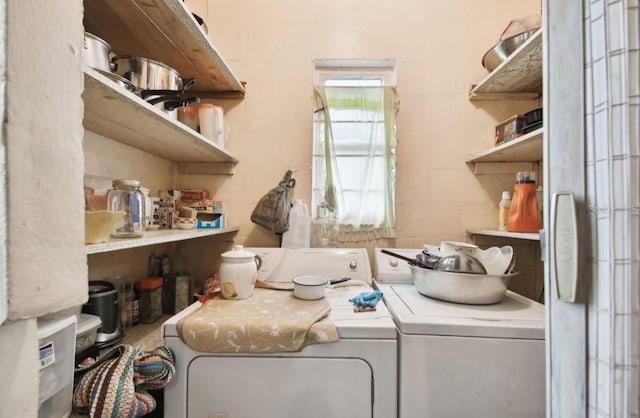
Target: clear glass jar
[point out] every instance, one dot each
(324, 228)
(127, 197)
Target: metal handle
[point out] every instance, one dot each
(563, 246)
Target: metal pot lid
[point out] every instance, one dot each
(100, 286)
(123, 82)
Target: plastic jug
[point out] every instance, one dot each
(299, 233)
(524, 215)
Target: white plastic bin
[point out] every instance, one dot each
(57, 342)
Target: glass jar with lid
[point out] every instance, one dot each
(126, 196)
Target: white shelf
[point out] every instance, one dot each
(161, 236)
(505, 234)
(527, 148)
(165, 31)
(114, 112)
(518, 77)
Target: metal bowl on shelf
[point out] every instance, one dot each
(503, 49)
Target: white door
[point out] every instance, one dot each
(592, 149)
(564, 171)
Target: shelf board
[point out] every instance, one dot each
(518, 77)
(114, 112)
(161, 236)
(527, 148)
(505, 234)
(165, 31)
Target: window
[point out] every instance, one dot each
(354, 145)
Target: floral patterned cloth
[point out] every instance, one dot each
(267, 322)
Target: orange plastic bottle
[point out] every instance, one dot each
(524, 215)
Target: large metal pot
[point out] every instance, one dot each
(155, 82)
(147, 74)
(96, 53)
(471, 289)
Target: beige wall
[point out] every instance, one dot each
(438, 46)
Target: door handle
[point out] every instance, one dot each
(563, 246)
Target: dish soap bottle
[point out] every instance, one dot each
(299, 233)
(503, 210)
(324, 229)
(523, 215)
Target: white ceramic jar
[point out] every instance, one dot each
(238, 273)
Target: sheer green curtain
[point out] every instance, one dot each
(354, 158)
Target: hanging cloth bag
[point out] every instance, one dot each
(272, 210)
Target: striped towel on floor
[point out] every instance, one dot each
(116, 385)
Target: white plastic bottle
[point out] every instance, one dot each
(503, 210)
(299, 233)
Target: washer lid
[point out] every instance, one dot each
(514, 317)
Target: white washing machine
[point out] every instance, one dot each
(455, 360)
(353, 377)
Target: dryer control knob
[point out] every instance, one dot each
(393, 262)
(353, 264)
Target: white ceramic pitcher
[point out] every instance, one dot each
(238, 273)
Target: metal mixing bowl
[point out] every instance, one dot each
(501, 51)
(460, 263)
(470, 289)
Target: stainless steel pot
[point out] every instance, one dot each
(147, 74)
(96, 53)
(155, 82)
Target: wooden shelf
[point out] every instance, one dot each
(114, 112)
(527, 148)
(505, 234)
(165, 31)
(519, 77)
(161, 236)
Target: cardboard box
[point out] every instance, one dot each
(210, 220)
(510, 129)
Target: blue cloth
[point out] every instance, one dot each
(367, 299)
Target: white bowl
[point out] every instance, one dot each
(186, 223)
(457, 247)
(495, 260)
(309, 287)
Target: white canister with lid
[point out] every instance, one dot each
(238, 273)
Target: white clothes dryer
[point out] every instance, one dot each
(456, 360)
(353, 377)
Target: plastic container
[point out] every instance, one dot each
(523, 214)
(126, 196)
(324, 229)
(150, 294)
(503, 210)
(56, 342)
(299, 233)
(86, 332)
(212, 123)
